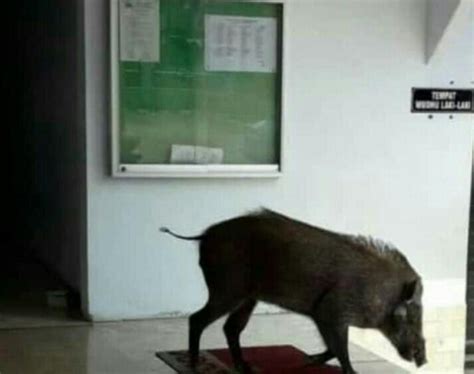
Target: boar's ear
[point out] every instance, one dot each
(412, 291)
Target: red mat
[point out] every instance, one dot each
(284, 359)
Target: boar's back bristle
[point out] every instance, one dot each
(377, 247)
(380, 248)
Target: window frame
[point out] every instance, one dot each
(186, 170)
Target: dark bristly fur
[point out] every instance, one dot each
(337, 280)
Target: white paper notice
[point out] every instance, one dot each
(206, 155)
(246, 44)
(191, 154)
(139, 30)
(182, 154)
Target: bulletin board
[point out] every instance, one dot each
(196, 88)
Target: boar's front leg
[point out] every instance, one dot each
(336, 338)
(233, 326)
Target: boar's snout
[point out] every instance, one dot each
(419, 354)
(404, 327)
(420, 357)
(415, 353)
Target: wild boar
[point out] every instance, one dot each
(337, 280)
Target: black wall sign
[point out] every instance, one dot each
(430, 100)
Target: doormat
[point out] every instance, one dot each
(283, 359)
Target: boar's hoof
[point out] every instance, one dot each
(319, 359)
(244, 368)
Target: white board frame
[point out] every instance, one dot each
(186, 171)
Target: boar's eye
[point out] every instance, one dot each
(400, 313)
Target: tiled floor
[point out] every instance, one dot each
(24, 288)
(129, 347)
(14, 317)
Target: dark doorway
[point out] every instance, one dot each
(44, 241)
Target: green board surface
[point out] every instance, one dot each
(176, 101)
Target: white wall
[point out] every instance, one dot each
(446, 21)
(356, 159)
(439, 14)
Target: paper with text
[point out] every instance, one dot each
(139, 30)
(245, 44)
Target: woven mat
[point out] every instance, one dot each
(264, 360)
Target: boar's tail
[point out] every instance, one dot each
(168, 231)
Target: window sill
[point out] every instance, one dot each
(197, 171)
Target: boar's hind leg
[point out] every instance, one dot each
(336, 339)
(199, 321)
(233, 327)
